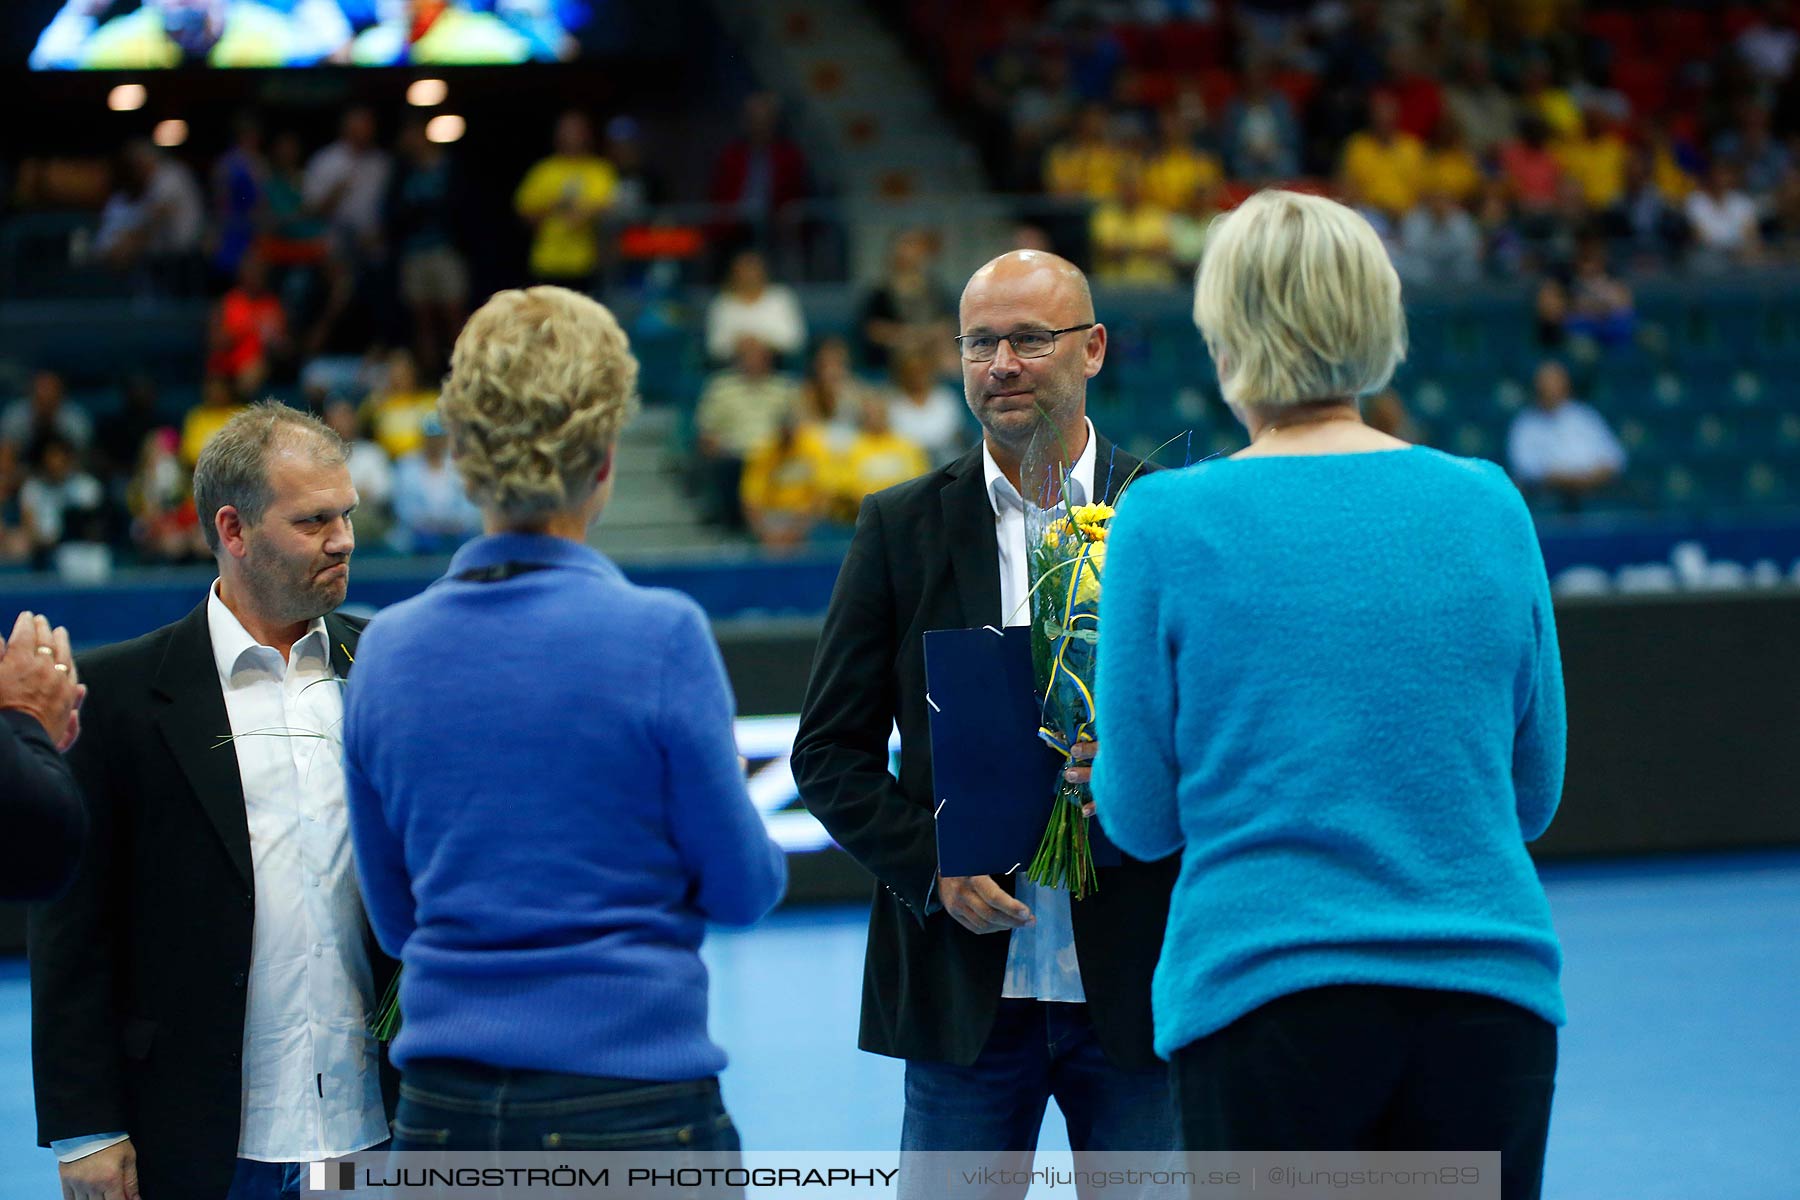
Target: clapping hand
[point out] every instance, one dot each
(38, 676)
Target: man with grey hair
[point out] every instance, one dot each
(201, 995)
(999, 993)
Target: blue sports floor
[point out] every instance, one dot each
(1680, 1075)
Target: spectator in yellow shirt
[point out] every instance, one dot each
(878, 458)
(1595, 158)
(397, 411)
(790, 481)
(563, 198)
(1131, 237)
(219, 402)
(1178, 169)
(1086, 164)
(1450, 169)
(1383, 165)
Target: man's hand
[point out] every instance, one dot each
(980, 905)
(109, 1174)
(37, 676)
(1082, 752)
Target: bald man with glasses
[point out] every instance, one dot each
(998, 993)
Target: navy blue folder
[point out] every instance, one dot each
(993, 778)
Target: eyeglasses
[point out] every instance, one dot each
(1026, 343)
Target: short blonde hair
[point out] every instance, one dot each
(541, 383)
(1298, 302)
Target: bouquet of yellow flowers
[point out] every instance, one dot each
(1067, 557)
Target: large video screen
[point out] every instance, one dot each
(140, 35)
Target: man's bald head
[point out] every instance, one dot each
(1030, 291)
(1052, 278)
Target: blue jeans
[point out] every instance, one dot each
(453, 1105)
(1038, 1049)
(257, 1180)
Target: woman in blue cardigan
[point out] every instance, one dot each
(545, 797)
(1329, 678)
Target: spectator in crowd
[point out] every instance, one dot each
(371, 471)
(1542, 97)
(749, 305)
(924, 411)
(907, 310)
(563, 197)
(1561, 449)
(758, 176)
(741, 408)
(1095, 57)
(249, 330)
(1595, 157)
(59, 501)
(1439, 242)
(345, 186)
(45, 411)
(422, 209)
(165, 528)
(397, 408)
(1767, 45)
(1722, 221)
(219, 402)
(1179, 168)
(1652, 226)
(1532, 174)
(119, 439)
(1593, 303)
(159, 218)
(1189, 227)
(1086, 164)
(1384, 163)
(239, 184)
(293, 237)
(1262, 139)
(1450, 167)
(638, 186)
(1131, 237)
(1485, 112)
(1035, 114)
(1418, 98)
(1751, 143)
(879, 456)
(831, 390)
(789, 481)
(432, 513)
(1784, 220)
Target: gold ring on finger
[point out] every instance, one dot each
(63, 667)
(45, 650)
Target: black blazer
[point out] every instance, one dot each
(925, 557)
(41, 818)
(139, 972)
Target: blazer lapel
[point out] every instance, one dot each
(198, 730)
(343, 637)
(1113, 467)
(970, 539)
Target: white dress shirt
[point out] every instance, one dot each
(1573, 440)
(311, 1071)
(1040, 961)
(312, 1086)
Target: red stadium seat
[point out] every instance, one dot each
(1618, 28)
(1644, 82)
(1191, 45)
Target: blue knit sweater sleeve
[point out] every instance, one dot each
(380, 860)
(739, 871)
(1541, 742)
(1135, 771)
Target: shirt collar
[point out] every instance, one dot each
(538, 549)
(231, 641)
(1000, 490)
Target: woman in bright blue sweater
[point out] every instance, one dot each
(1329, 679)
(545, 797)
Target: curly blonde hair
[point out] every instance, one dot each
(541, 383)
